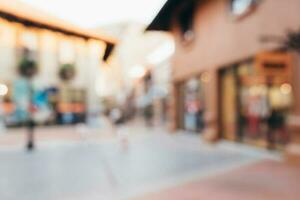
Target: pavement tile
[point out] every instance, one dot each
(266, 180)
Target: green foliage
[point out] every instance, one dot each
(67, 72)
(27, 67)
(293, 41)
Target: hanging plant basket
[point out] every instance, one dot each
(293, 41)
(67, 72)
(27, 68)
(290, 42)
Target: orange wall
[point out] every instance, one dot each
(222, 40)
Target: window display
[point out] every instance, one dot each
(194, 105)
(254, 105)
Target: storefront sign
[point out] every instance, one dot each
(274, 64)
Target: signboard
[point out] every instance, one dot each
(274, 64)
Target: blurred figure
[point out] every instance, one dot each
(148, 114)
(116, 116)
(129, 109)
(276, 128)
(3, 92)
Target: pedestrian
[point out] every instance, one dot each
(276, 127)
(148, 114)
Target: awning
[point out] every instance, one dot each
(17, 11)
(162, 21)
(183, 9)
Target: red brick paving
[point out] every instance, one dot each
(267, 180)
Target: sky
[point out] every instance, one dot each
(95, 13)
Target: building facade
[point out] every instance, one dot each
(27, 33)
(232, 75)
(137, 57)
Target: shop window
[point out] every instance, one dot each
(28, 46)
(241, 8)
(194, 105)
(66, 52)
(255, 104)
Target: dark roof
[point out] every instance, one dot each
(162, 21)
(184, 10)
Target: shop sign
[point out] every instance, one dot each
(274, 64)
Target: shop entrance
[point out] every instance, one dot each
(254, 106)
(191, 105)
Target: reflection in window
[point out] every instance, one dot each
(240, 7)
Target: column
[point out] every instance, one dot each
(293, 149)
(210, 79)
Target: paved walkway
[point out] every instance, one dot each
(266, 180)
(91, 168)
(76, 133)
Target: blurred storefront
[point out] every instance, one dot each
(137, 57)
(161, 92)
(66, 59)
(248, 90)
(255, 98)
